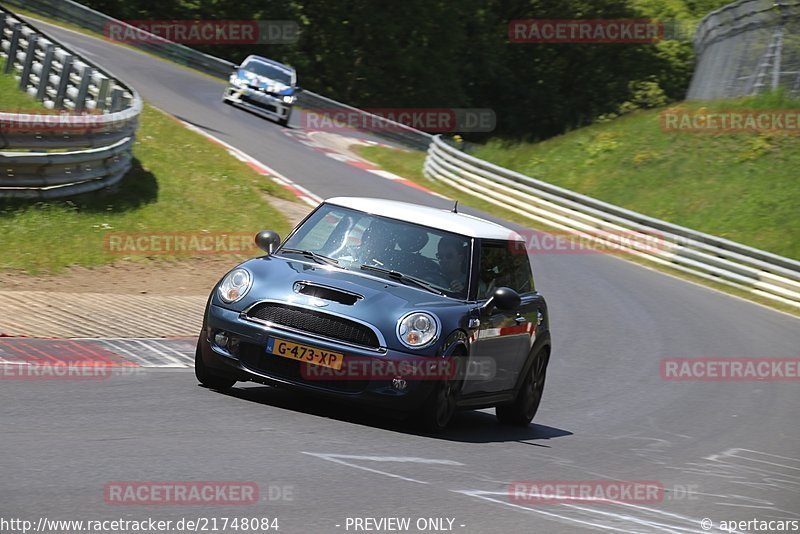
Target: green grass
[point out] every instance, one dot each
(742, 187)
(180, 182)
(15, 101)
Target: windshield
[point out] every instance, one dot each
(356, 239)
(268, 71)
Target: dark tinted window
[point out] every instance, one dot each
(504, 264)
(268, 71)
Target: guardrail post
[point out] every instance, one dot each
(44, 76)
(12, 47)
(83, 88)
(61, 91)
(116, 99)
(102, 93)
(30, 56)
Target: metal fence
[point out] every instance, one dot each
(746, 48)
(73, 12)
(706, 256)
(84, 148)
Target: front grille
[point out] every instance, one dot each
(257, 359)
(315, 322)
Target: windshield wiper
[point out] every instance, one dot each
(313, 255)
(397, 275)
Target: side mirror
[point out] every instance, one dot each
(268, 241)
(503, 298)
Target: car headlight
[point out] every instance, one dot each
(288, 99)
(417, 329)
(235, 285)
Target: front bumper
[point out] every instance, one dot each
(258, 100)
(251, 362)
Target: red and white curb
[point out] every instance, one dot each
(51, 358)
(307, 138)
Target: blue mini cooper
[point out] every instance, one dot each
(405, 307)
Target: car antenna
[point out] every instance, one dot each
(455, 207)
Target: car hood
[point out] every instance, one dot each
(383, 301)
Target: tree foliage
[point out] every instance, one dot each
(457, 54)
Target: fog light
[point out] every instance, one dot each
(399, 383)
(221, 339)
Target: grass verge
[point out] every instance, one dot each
(740, 186)
(180, 183)
(409, 164)
(15, 101)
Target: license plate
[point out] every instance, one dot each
(304, 353)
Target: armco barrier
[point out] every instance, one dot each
(699, 254)
(86, 148)
(712, 258)
(69, 11)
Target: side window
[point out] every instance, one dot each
(503, 264)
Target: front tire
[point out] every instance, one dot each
(438, 410)
(525, 406)
(208, 378)
(285, 122)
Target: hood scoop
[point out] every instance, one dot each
(327, 293)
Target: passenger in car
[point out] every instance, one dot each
(453, 258)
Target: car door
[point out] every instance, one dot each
(504, 337)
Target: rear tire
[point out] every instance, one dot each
(208, 378)
(522, 411)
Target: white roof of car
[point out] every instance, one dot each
(457, 223)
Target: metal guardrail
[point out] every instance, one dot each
(85, 17)
(703, 255)
(99, 122)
